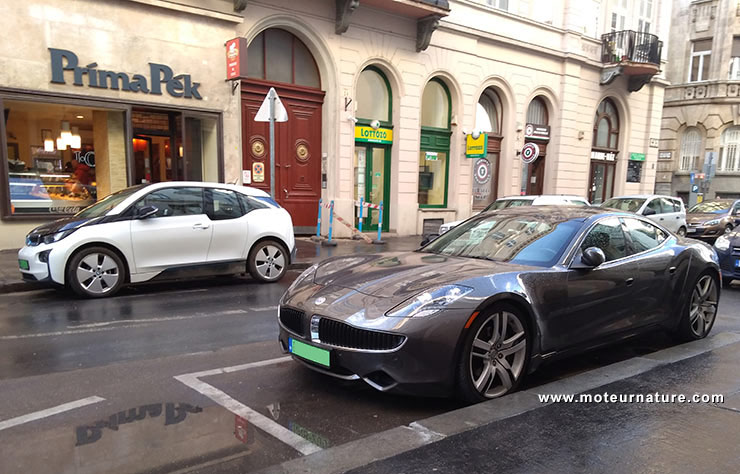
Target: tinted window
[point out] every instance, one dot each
(102, 207)
(249, 204)
(225, 204)
(608, 236)
(676, 205)
(736, 209)
(529, 240)
(644, 236)
(175, 202)
(717, 207)
(625, 204)
(655, 206)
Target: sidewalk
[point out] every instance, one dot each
(309, 252)
(521, 433)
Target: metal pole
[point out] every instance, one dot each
(318, 222)
(362, 202)
(329, 242)
(380, 224)
(272, 143)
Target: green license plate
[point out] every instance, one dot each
(308, 352)
(23, 264)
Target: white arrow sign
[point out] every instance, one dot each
(263, 114)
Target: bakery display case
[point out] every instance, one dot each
(41, 192)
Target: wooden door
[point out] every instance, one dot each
(297, 147)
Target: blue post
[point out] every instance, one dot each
(380, 224)
(362, 203)
(329, 242)
(318, 222)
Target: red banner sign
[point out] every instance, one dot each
(236, 58)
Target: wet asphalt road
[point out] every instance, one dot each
(127, 350)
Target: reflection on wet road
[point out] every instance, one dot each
(128, 350)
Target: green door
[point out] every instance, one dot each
(372, 183)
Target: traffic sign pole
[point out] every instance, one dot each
(271, 96)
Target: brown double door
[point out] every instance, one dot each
(297, 148)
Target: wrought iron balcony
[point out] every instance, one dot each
(631, 53)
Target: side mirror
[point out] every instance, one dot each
(146, 212)
(648, 212)
(592, 257)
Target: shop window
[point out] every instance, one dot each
(373, 96)
(277, 55)
(488, 112)
(60, 157)
(435, 145)
(488, 117)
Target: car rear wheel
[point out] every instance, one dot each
(96, 272)
(700, 311)
(682, 231)
(268, 261)
(495, 355)
(728, 228)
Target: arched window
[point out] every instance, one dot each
(435, 105)
(537, 112)
(606, 126)
(435, 144)
(488, 112)
(373, 96)
(277, 55)
(690, 149)
(729, 156)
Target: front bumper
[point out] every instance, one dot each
(728, 264)
(38, 265)
(424, 364)
(704, 233)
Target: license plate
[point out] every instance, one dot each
(23, 264)
(737, 263)
(309, 352)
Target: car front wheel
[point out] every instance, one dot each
(495, 354)
(268, 261)
(96, 272)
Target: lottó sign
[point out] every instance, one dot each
(537, 132)
(160, 76)
(476, 147)
(370, 135)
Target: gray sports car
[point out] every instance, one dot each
(485, 304)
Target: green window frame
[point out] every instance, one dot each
(437, 139)
(388, 121)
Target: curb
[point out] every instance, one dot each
(21, 285)
(402, 439)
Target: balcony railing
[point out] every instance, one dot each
(630, 46)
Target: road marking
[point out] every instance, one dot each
(259, 420)
(38, 415)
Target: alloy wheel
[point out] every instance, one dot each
(703, 306)
(97, 273)
(498, 354)
(269, 261)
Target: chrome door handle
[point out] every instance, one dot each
(629, 281)
(201, 226)
(672, 270)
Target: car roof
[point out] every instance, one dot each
(536, 196)
(205, 184)
(562, 212)
(644, 196)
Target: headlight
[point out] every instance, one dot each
(307, 273)
(51, 238)
(712, 222)
(429, 302)
(722, 243)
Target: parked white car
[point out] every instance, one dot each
(164, 230)
(667, 211)
(514, 201)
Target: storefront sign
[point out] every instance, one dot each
(665, 155)
(482, 172)
(431, 156)
(476, 147)
(236, 58)
(603, 155)
(370, 135)
(530, 152)
(258, 172)
(537, 132)
(637, 156)
(160, 74)
(87, 159)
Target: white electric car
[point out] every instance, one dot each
(164, 231)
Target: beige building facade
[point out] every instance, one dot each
(701, 114)
(382, 97)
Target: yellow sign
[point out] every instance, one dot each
(476, 147)
(369, 135)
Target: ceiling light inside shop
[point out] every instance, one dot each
(80, 117)
(61, 144)
(48, 140)
(76, 141)
(66, 134)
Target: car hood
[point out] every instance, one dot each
(404, 274)
(63, 224)
(699, 218)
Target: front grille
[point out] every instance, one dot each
(292, 319)
(339, 334)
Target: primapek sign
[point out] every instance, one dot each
(160, 76)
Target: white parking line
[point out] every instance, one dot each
(4, 425)
(259, 420)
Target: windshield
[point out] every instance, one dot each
(537, 239)
(624, 204)
(102, 207)
(504, 203)
(711, 207)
